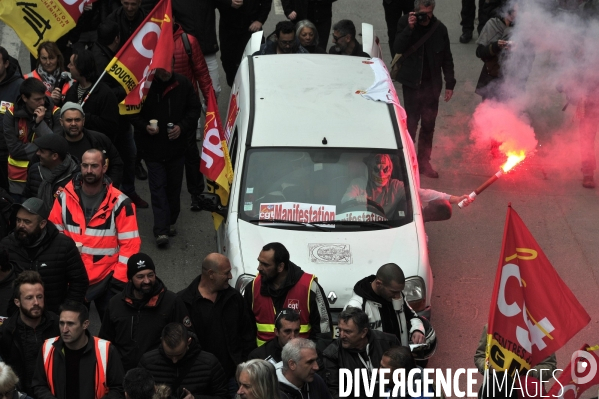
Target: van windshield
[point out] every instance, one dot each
(349, 189)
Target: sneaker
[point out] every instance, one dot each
(138, 201)
(196, 203)
(140, 172)
(162, 240)
(172, 231)
(588, 181)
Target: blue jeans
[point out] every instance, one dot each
(165, 180)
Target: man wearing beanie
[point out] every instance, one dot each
(134, 319)
(47, 178)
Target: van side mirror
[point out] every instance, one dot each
(211, 203)
(436, 211)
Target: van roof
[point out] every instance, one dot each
(302, 98)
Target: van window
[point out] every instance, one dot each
(347, 189)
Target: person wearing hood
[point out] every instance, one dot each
(181, 364)
(357, 348)
(381, 297)
(10, 82)
(47, 178)
(298, 377)
(33, 115)
(134, 319)
(282, 284)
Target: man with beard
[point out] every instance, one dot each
(22, 335)
(286, 42)
(357, 348)
(135, 318)
(46, 179)
(282, 284)
(344, 40)
(80, 139)
(102, 220)
(38, 245)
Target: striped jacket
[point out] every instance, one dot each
(110, 237)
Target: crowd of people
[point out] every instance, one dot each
(68, 213)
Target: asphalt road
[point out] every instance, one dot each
(545, 190)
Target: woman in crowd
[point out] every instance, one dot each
(257, 379)
(50, 65)
(306, 33)
(8, 383)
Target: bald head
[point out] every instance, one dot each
(216, 272)
(213, 261)
(390, 273)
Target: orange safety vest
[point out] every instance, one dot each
(102, 347)
(297, 298)
(65, 87)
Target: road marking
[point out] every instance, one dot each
(10, 41)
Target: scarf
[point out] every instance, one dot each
(49, 79)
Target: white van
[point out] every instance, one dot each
(301, 131)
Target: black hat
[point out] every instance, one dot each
(35, 206)
(54, 143)
(137, 263)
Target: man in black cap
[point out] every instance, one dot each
(134, 319)
(80, 139)
(47, 178)
(37, 245)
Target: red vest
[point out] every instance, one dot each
(64, 88)
(297, 298)
(102, 346)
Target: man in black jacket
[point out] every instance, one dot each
(22, 335)
(220, 316)
(37, 245)
(298, 377)
(81, 139)
(129, 16)
(135, 318)
(180, 363)
(420, 75)
(48, 177)
(344, 40)
(76, 364)
(171, 99)
(358, 347)
(287, 327)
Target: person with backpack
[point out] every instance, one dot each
(33, 115)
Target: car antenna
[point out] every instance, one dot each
(324, 140)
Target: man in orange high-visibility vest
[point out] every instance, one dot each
(75, 364)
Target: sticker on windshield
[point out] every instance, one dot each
(298, 212)
(249, 190)
(248, 206)
(330, 253)
(362, 217)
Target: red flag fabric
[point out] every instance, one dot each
(216, 163)
(149, 48)
(573, 382)
(525, 326)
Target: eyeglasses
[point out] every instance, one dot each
(7, 394)
(285, 312)
(378, 168)
(337, 38)
(287, 42)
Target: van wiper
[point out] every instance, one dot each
(357, 223)
(293, 222)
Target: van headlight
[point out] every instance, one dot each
(415, 293)
(243, 281)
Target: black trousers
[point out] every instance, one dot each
(165, 179)
(195, 180)
(232, 43)
(468, 15)
(422, 105)
(393, 11)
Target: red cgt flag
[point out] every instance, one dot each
(573, 382)
(150, 47)
(216, 163)
(525, 326)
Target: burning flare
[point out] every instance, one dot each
(513, 159)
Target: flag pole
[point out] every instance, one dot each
(92, 89)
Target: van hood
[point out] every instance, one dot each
(337, 259)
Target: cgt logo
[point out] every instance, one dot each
(583, 367)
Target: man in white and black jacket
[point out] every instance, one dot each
(382, 299)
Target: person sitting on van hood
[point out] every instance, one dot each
(282, 284)
(382, 299)
(386, 191)
(286, 42)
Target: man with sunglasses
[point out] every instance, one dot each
(287, 327)
(286, 42)
(344, 40)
